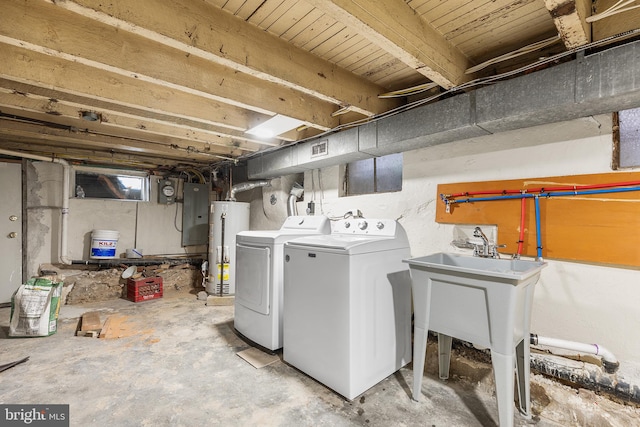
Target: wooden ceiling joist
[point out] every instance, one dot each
(107, 143)
(569, 17)
(106, 49)
(113, 122)
(198, 29)
(75, 154)
(399, 30)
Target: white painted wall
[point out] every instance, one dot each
(149, 226)
(573, 301)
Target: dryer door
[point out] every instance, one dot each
(253, 277)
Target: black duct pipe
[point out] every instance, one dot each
(591, 380)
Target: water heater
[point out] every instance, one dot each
(226, 220)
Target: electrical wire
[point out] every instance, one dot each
(175, 219)
(408, 91)
(619, 7)
(514, 54)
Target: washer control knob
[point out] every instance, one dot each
(347, 224)
(380, 225)
(363, 225)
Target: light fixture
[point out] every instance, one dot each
(89, 116)
(276, 125)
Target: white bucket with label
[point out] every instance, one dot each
(103, 244)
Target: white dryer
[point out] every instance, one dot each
(259, 278)
(347, 304)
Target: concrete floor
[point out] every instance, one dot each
(175, 364)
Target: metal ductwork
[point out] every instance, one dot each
(589, 85)
(245, 186)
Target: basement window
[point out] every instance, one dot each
(627, 134)
(377, 175)
(94, 183)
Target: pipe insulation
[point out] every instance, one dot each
(609, 360)
(63, 256)
(245, 186)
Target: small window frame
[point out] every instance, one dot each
(109, 184)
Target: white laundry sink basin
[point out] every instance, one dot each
(484, 301)
(506, 270)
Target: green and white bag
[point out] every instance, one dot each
(34, 308)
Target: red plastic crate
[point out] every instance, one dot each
(144, 289)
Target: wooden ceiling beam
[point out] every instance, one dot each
(569, 17)
(85, 155)
(112, 122)
(400, 31)
(108, 143)
(42, 70)
(207, 32)
(50, 30)
(143, 114)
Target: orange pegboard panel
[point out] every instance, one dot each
(598, 228)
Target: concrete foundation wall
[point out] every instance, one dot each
(573, 301)
(149, 226)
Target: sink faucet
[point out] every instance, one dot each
(488, 249)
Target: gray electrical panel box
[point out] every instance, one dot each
(195, 214)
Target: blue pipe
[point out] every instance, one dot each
(536, 198)
(538, 233)
(586, 192)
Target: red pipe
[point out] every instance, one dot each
(543, 189)
(523, 207)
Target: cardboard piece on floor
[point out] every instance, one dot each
(223, 300)
(257, 358)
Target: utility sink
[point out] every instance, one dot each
(485, 301)
(512, 271)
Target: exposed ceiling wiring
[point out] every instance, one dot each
(619, 7)
(408, 91)
(514, 54)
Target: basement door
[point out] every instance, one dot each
(10, 229)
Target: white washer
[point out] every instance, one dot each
(259, 258)
(347, 304)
